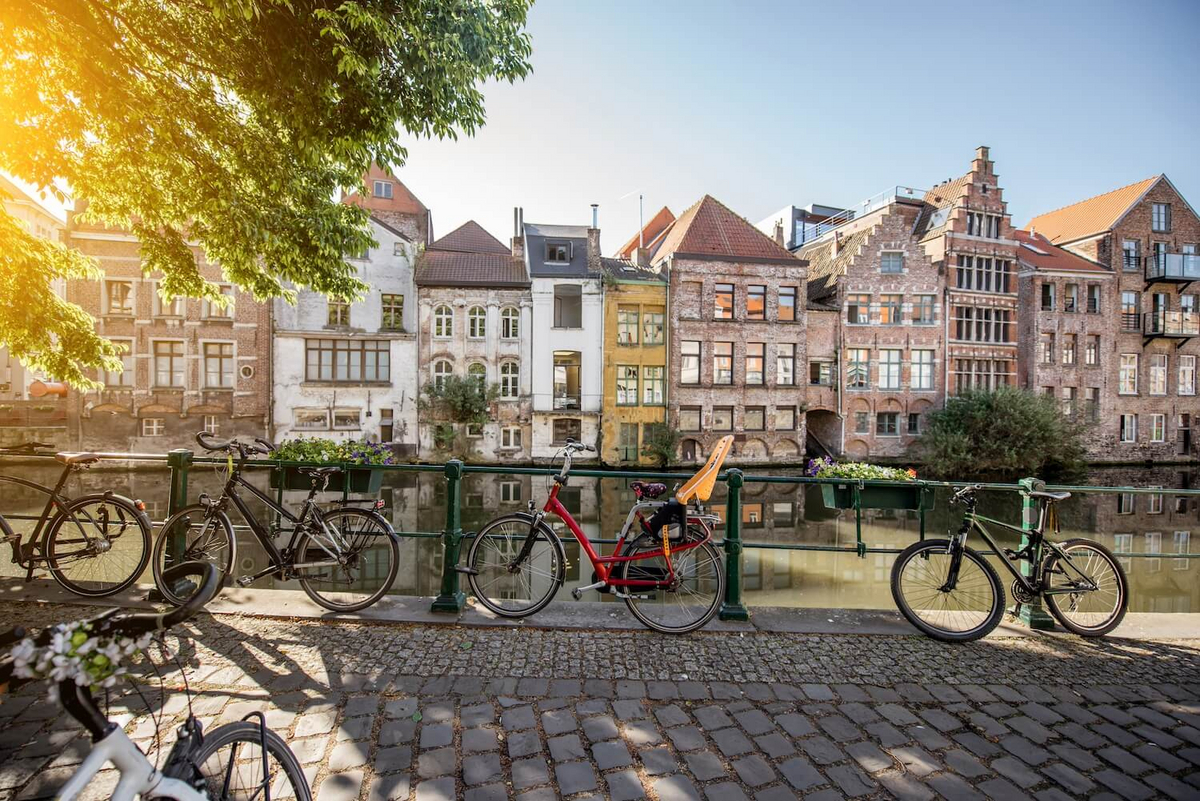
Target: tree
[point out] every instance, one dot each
(233, 124)
(1003, 434)
(660, 443)
(457, 399)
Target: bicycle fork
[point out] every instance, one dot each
(956, 555)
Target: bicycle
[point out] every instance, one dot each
(345, 559)
(94, 545)
(951, 592)
(669, 574)
(200, 765)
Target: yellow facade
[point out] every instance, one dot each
(635, 367)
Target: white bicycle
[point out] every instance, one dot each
(241, 760)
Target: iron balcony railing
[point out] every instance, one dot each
(1173, 267)
(1093, 306)
(1171, 324)
(873, 203)
(1131, 321)
(1132, 262)
(566, 402)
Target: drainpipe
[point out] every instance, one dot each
(945, 344)
(270, 376)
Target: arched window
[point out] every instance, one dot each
(510, 380)
(477, 322)
(478, 373)
(443, 322)
(441, 369)
(510, 323)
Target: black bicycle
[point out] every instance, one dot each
(951, 592)
(94, 545)
(344, 558)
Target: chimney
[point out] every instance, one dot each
(595, 215)
(779, 233)
(518, 238)
(981, 152)
(593, 241)
(837, 242)
(643, 257)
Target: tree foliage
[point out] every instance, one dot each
(1004, 434)
(459, 399)
(233, 124)
(660, 443)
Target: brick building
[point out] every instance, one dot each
(1146, 234)
(390, 201)
(737, 336)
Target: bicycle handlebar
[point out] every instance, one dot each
(211, 443)
(965, 493)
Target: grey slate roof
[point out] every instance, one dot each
(537, 236)
(624, 270)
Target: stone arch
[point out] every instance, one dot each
(754, 449)
(156, 408)
(786, 449)
(110, 408)
(690, 451)
(857, 449)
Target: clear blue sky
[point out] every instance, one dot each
(765, 104)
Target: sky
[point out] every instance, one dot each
(765, 104)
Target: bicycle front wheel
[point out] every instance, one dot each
(524, 589)
(354, 569)
(193, 534)
(688, 604)
(967, 612)
(98, 545)
(1087, 612)
(230, 765)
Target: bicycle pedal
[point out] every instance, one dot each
(244, 581)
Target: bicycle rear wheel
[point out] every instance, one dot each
(528, 588)
(193, 534)
(967, 612)
(98, 545)
(356, 573)
(688, 605)
(1088, 613)
(230, 765)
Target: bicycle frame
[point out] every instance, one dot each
(138, 775)
(1037, 539)
(54, 498)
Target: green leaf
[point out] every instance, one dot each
(416, 717)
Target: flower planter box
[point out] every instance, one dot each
(363, 479)
(841, 496)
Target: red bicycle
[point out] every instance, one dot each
(664, 566)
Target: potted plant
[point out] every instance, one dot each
(841, 495)
(327, 451)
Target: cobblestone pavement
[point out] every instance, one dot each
(426, 713)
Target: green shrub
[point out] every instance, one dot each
(459, 399)
(327, 450)
(827, 468)
(659, 442)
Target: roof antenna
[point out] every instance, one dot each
(641, 222)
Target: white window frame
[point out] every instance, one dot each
(1157, 374)
(1158, 428)
(154, 364)
(510, 380)
(346, 411)
(510, 323)
(891, 255)
(127, 378)
(153, 426)
(233, 376)
(108, 310)
(1128, 369)
(321, 415)
(212, 424)
(210, 311)
(443, 321)
(510, 437)
(439, 374)
(921, 371)
(388, 192)
(160, 307)
(1183, 544)
(890, 367)
(477, 319)
(1129, 428)
(1186, 372)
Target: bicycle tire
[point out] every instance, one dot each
(481, 582)
(249, 733)
(310, 584)
(928, 549)
(1114, 617)
(53, 546)
(210, 553)
(643, 614)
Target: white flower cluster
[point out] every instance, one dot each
(75, 654)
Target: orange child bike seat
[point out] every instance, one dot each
(700, 486)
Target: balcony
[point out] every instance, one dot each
(1177, 267)
(566, 402)
(1176, 325)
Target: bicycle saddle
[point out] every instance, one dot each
(319, 471)
(76, 458)
(1050, 496)
(647, 490)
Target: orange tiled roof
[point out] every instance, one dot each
(1092, 216)
(1040, 253)
(470, 237)
(653, 229)
(402, 199)
(710, 228)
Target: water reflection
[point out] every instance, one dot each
(772, 515)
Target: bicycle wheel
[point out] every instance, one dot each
(969, 611)
(98, 545)
(229, 764)
(685, 607)
(1088, 613)
(358, 571)
(193, 534)
(520, 592)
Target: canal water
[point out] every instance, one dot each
(796, 564)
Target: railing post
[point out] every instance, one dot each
(452, 599)
(732, 608)
(1032, 614)
(179, 462)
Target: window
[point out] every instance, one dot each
(755, 362)
(218, 365)
(887, 424)
(654, 383)
(166, 308)
(922, 310)
(722, 362)
(558, 252)
(1160, 255)
(1091, 355)
(510, 491)
(785, 418)
(1129, 312)
(1187, 375)
(363, 254)
(1131, 250)
(689, 362)
(1160, 217)
(627, 385)
(1068, 401)
(1091, 403)
(212, 424)
(914, 423)
(347, 419)
(858, 366)
(1158, 374)
(689, 418)
(382, 189)
(862, 423)
(510, 437)
(510, 380)
(627, 325)
(338, 313)
(891, 262)
(443, 322)
(152, 427)
(1158, 432)
(126, 376)
(1183, 542)
(348, 360)
(820, 374)
(310, 419)
(785, 364)
(568, 306)
(1047, 297)
(566, 379)
(118, 297)
(476, 322)
(983, 274)
(787, 303)
(889, 368)
(1153, 545)
(653, 326)
(441, 369)
(211, 311)
(983, 324)
(393, 312)
(754, 418)
(627, 442)
(756, 302)
(1047, 348)
(474, 431)
(510, 323)
(1128, 379)
(723, 302)
(565, 428)
(168, 364)
(1093, 298)
(922, 370)
(1129, 428)
(398, 249)
(889, 309)
(1071, 298)
(858, 309)
(722, 418)
(1068, 349)
(982, 374)
(974, 223)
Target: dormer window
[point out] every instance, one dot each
(558, 252)
(382, 189)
